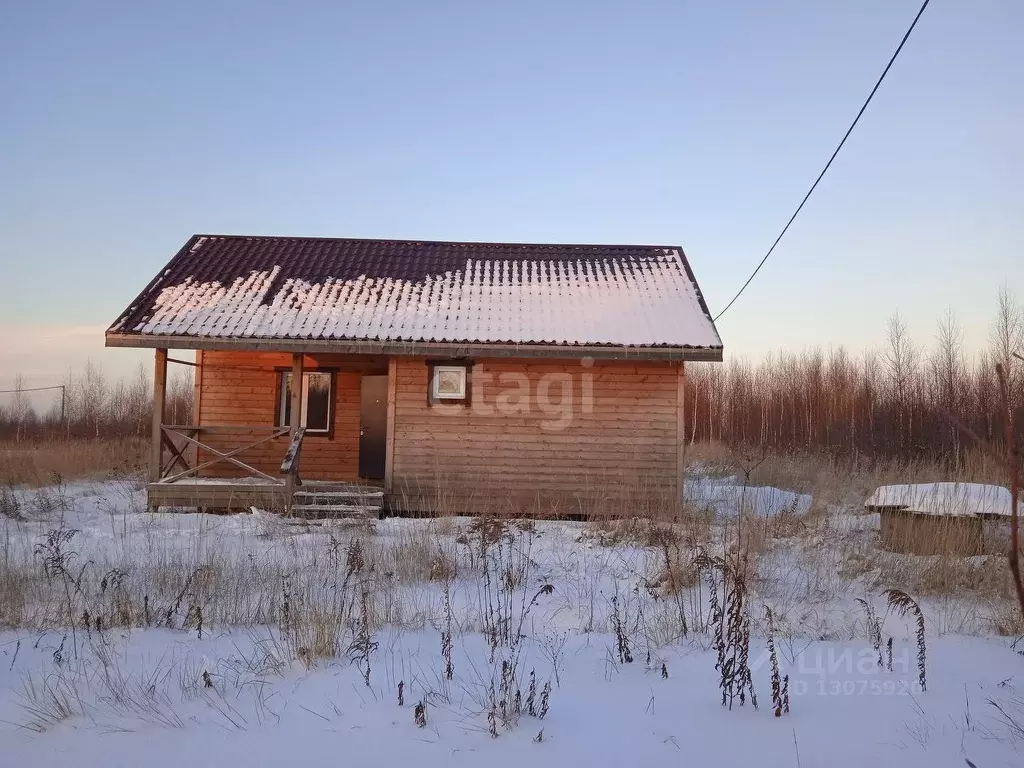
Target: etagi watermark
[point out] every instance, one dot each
(846, 672)
(556, 396)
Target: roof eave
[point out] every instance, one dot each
(416, 348)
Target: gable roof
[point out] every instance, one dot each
(281, 291)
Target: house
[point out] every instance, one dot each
(426, 376)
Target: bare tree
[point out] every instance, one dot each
(891, 402)
(180, 394)
(1007, 343)
(947, 367)
(93, 406)
(92, 388)
(901, 358)
(141, 396)
(21, 407)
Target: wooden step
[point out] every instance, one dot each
(345, 494)
(322, 511)
(334, 500)
(339, 485)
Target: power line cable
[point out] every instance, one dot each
(29, 389)
(829, 163)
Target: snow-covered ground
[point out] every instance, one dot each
(245, 640)
(725, 496)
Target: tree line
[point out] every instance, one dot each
(93, 406)
(901, 400)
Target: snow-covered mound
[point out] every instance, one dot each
(962, 499)
(725, 495)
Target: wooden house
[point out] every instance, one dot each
(426, 376)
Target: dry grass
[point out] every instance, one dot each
(676, 576)
(583, 496)
(966, 594)
(805, 563)
(149, 579)
(419, 556)
(37, 463)
(983, 577)
(835, 479)
(630, 532)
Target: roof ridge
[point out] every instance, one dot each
(421, 241)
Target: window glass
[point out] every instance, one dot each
(449, 382)
(316, 401)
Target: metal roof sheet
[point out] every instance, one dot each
(236, 287)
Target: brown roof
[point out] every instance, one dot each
(227, 287)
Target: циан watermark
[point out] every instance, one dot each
(833, 671)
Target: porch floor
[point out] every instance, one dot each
(239, 494)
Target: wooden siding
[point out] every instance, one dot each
(240, 388)
(546, 437)
(918, 534)
(614, 446)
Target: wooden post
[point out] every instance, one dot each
(159, 399)
(294, 424)
(296, 409)
(681, 432)
(389, 443)
(197, 403)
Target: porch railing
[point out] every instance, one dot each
(178, 439)
(290, 467)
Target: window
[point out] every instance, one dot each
(449, 382)
(316, 402)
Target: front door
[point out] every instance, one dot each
(373, 426)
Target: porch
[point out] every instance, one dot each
(315, 500)
(252, 455)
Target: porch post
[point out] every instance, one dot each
(680, 432)
(389, 442)
(159, 399)
(296, 410)
(197, 404)
(295, 423)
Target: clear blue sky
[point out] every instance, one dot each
(126, 126)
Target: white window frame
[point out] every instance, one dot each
(435, 392)
(285, 397)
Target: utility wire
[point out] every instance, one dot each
(829, 163)
(29, 389)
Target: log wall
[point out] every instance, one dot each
(240, 388)
(545, 437)
(918, 534)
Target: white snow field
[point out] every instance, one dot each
(246, 640)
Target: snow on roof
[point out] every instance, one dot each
(332, 289)
(968, 499)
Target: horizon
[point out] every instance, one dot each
(131, 360)
(463, 133)
(141, 358)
